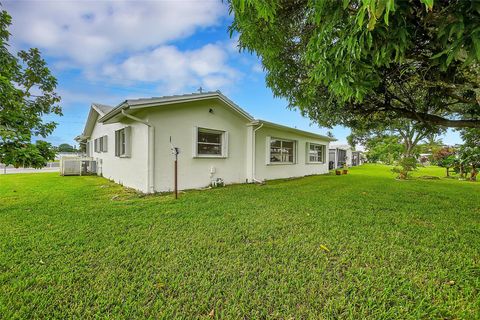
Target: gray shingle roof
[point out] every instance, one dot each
(103, 107)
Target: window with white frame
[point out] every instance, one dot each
(210, 143)
(282, 151)
(122, 142)
(316, 152)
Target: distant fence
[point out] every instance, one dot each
(49, 165)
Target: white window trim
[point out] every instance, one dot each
(307, 153)
(224, 144)
(295, 151)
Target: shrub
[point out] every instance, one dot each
(405, 166)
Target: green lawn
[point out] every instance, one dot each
(357, 246)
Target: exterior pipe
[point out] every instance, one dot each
(151, 152)
(253, 154)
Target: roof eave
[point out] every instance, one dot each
(138, 104)
(121, 106)
(282, 127)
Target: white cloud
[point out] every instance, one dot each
(176, 70)
(92, 32)
(128, 43)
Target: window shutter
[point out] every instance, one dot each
(128, 141)
(295, 151)
(105, 143)
(195, 141)
(225, 144)
(87, 148)
(307, 152)
(267, 149)
(117, 143)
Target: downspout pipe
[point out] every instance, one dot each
(253, 153)
(151, 151)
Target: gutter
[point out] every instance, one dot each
(253, 153)
(151, 151)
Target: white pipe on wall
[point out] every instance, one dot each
(253, 154)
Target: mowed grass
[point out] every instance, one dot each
(358, 246)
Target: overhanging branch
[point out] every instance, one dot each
(437, 120)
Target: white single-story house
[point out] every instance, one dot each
(358, 158)
(217, 140)
(340, 155)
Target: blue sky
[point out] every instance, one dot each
(109, 51)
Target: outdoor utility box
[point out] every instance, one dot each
(77, 166)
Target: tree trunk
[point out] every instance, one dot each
(408, 149)
(448, 173)
(473, 174)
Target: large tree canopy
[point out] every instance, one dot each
(27, 93)
(341, 61)
(410, 133)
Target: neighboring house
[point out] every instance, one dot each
(340, 155)
(358, 158)
(132, 143)
(424, 158)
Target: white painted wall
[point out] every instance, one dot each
(348, 150)
(130, 172)
(180, 121)
(264, 171)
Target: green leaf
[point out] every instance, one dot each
(371, 23)
(476, 45)
(361, 16)
(428, 4)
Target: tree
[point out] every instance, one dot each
(411, 133)
(469, 152)
(431, 145)
(27, 94)
(408, 133)
(405, 166)
(28, 155)
(384, 148)
(65, 147)
(338, 61)
(446, 158)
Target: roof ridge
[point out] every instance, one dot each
(178, 95)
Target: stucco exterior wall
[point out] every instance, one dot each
(180, 121)
(132, 171)
(349, 157)
(267, 171)
(348, 153)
